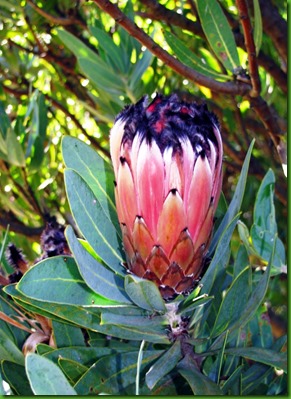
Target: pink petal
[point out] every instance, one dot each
(199, 196)
(183, 251)
(127, 243)
(173, 172)
(119, 208)
(218, 173)
(171, 222)
(158, 262)
(173, 276)
(142, 239)
(116, 135)
(205, 232)
(150, 183)
(126, 195)
(134, 155)
(188, 166)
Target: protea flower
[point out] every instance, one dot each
(167, 158)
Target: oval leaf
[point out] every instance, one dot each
(45, 377)
(97, 173)
(144, 293)
(164, 364)
(92, 221)
(97, 277)
(58, 280)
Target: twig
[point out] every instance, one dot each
(250, 47)
(279, 76)
(275, 26)
(94, 142)
(18, 227)
(172, 62)
(264, 113)
(56, 20)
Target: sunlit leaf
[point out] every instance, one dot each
(258, 26)
(185, 55)
(218, 33)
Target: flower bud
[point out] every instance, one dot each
(167, 158)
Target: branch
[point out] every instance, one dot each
(6, 218)
(222, 87)
(250, 47)
(158, 12)
(275, 26)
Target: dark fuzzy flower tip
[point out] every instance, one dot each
(167, 120)
(15, 277)
(14, 256)
(53, 240)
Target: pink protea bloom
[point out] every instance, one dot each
(167, 158)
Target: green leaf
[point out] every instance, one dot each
(101, 280)
(234, 206)
(58, 280)
(45, 377)
(256, 298)
(86, 317)
(164, 364)
(151, 329)
(114, 53)
(264, 210)
(9, 351)
(232, 379)
(241, 260)
(190, 59)
(144, 293)
(84, 355)
(72, 370)
(14, 150)
(263, 244)
(139, 69)
(233, 303)
(93, 223)
(113, 374)
(264, 228)
(15, 376)
(218, 33)
(258, 26)
(67, 335)
(77, 46)
(253, 377)
(102, 76)
(199, 383)
(261, 355)
(215, 267)
(97, 173)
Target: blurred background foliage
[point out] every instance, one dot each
(67, 68)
